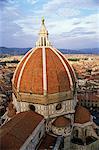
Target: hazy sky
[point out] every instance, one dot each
(70, 23)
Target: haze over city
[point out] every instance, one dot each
(67, 21)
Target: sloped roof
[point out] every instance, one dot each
(15, 132)
(48, 142)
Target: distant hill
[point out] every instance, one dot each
(13, 51)
(22, 51)
(81, 51)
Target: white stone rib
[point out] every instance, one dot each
(68, 62)
(71, 82)
(21, 72)
(18, 65)
(84, 124)
(44, 71)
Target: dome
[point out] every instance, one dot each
(61, 121)
(43, 73)
(82, 115)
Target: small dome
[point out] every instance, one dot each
(61, 122)
(82, 115)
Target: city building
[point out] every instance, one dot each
(44, 106)
(89, 100)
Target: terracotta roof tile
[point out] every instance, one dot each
(32, 77)
(19, 69)
(92, 97)
(15, 132)
(56, 74)
(94, 77)
(33, 72)
(82, 115)
(61, 121)
(47, 142)
(70, 69)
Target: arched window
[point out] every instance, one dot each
(76, 133)
(85, 132)
(44, 41)
(32, 107)
(41, 41)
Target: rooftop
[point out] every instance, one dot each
(48, 142)
(82, 115)
(61, 121)
(88, 97)
(15, 132)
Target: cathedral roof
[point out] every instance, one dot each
(43, 70)
(49, 140)
(61, 121)
(15, 132)
(82, 115)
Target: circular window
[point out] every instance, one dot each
(58, 106)
(59, 130)
(32, 107)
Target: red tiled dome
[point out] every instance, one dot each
(43, 70)
(61, 122)
(82, 115)
(29, 75)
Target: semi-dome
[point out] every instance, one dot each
(43, 75)
(61, 121)
(82, 115)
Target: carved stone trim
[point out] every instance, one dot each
(41, 99)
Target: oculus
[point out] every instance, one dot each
(59, 106)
